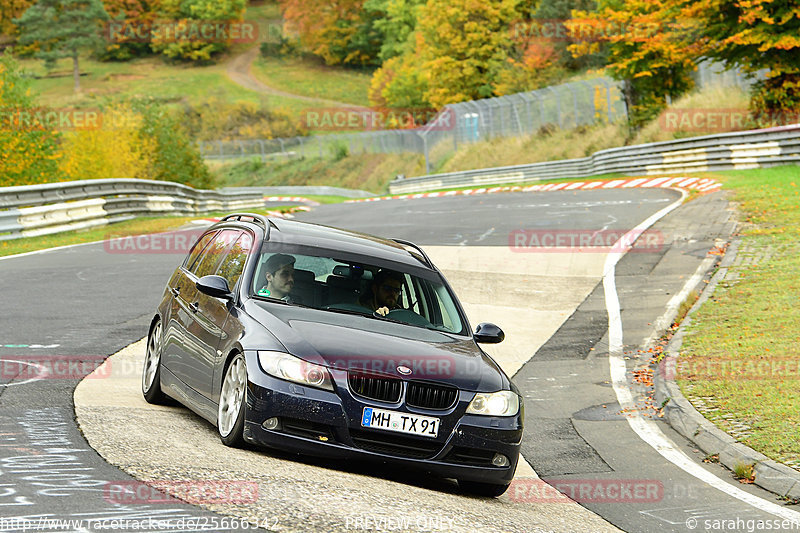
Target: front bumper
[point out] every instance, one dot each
(326, 424)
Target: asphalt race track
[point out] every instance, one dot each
(84, 303)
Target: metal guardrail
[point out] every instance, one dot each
(302, 190)
(33, 210)
(736, 150)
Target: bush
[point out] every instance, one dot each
(214, 119)
(175, 157)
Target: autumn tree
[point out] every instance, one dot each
(29, 150)
(338, 31)
(651, 46)
(396, 23)
(9, 10)
(188, 14)
(62, 28)
(464, 46)
(557, 13)
(754, 35)
(140, 13)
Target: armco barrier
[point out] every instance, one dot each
(737, 150)
(35, 210)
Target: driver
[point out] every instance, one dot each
(280, 277)
(383, 294)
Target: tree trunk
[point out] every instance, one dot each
(76, 73)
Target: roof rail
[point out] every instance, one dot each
(417, 248)
(260, 220)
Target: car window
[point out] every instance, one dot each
(233, 264)
(325, 281)
(198, 247)
(212, 256)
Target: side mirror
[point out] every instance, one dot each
(215, 286)
(488, 333)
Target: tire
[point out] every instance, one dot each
(489, 490)
(151, 370)
(233, 403)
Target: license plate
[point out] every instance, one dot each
(426, 426)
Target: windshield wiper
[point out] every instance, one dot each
(279, 301)
(344, 311)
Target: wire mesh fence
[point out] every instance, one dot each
(567, 105)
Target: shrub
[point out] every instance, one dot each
(175, 157)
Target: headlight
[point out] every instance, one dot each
(284, 366)
(502, 403)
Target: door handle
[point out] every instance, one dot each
(194, 307)
(175, 290)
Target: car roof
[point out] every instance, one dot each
(326, 237)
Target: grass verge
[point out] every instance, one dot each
(307, 77)
(742, 356)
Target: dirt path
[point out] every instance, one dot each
(239, 71)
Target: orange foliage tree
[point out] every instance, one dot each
(652, 46)
(339, 31)
(754, 35)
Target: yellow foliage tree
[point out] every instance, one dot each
(28, 148)
(465, 46)
(115, 149)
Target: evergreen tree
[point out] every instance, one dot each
(61, 28)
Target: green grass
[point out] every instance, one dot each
(263, 11)
(309, 77)
(147, 77)
(753, 319)
(369, 172)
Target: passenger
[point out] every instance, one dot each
(383, 294)
(280, 277)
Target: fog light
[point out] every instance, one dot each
(500, 460)
(271, 423)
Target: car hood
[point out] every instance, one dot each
(374, 346)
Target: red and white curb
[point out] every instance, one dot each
(703, 185)
(300, 199)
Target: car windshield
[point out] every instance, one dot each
(337, 284)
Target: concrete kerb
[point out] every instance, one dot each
(686, 420)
